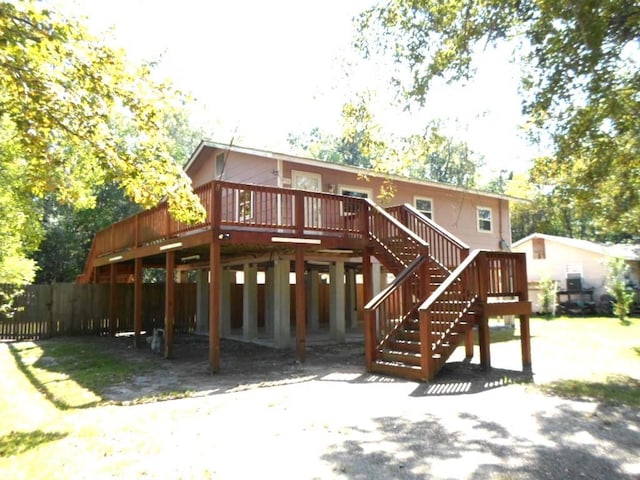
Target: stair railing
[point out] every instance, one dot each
(446, 249)
(448, 305)
(406, 255)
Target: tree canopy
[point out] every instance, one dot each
(64, 98)
(580, 82)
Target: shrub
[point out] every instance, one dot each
(547, 297)
(617, 275)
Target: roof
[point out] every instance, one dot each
(626, 251)
(334, 166)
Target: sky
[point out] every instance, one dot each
(265, 69)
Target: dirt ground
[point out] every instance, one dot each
(267, 415)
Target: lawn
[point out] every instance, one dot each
(53, 400)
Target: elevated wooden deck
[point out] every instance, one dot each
(440, 293)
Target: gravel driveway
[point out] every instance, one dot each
(267, 416)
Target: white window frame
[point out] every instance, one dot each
(300, 173)
(350, 188)
(417, 198)
(478, 219)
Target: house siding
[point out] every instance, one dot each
(554, 266)
(453, 209)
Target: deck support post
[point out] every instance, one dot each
(369, 316)
(269, 295)
(202, 301)
(525, 342)
(351, 298)
(313, 299)
(137, 302)
(468, 344)
(484, 341)
(301, 307)
(250, 302)
(169, 303)
(214, 305)
(225, 302)
(281, 304)
(113, 296)
(337, 302)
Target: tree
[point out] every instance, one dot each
(438, 158)
(581, 82)
(61, 92)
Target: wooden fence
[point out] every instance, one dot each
(44, 311)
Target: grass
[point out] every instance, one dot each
(597, 357)
(72, 373)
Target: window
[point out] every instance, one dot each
(538, 249)
(245, 205)
(306, 181)
(352, 192)
(484, 219)
(424, 206)
(219, 166)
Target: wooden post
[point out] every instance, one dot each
(426, 354)
(301, 304)
(169, 303)
(525, 333)
(113, 295)
(484, 341)
(137, 302)
(369, 316)
(299, 212)
(468, 344)
(215, 215)
(483, 321)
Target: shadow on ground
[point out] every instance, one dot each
(15, 443)
(476, 448)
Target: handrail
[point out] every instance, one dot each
(444, 286)
(423, 218)
(410, 233)
(402, 277)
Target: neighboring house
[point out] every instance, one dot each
(579, 267)
(313, 249)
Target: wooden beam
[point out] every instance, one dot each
(214, 305)
(497, 309)
(113, 296)
(525, 342)
(301, 306)
(484, 340)
(137, 302)
(369, 317)
(169, 303)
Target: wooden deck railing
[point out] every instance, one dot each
(481, 275)
(243, 206)
(446, 250)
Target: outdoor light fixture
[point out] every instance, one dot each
(311, 241)
(170, 246)
(190, 257)
(224, 236)
(115, 259)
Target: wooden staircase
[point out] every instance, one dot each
(428, 311)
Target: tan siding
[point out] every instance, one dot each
(239, 167)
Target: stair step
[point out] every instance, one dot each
(398, 370)
(408, 358)
(404, 345)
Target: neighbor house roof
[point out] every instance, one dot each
(334, 166)
(626, 251)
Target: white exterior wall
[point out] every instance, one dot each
(554, 266)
